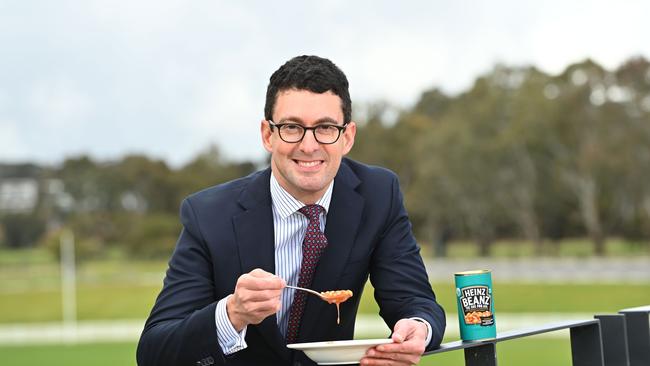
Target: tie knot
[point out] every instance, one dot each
(312, 211)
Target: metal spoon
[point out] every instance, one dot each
(307, 290)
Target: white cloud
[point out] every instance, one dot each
(396, 68)
(4, 101)
(228, 113)
(168, 77)
(59, 104)
(11, 146)
(601, 30)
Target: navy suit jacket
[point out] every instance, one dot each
(228, 231)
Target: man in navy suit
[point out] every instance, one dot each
(224, 299)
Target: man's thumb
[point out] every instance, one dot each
(400, 332)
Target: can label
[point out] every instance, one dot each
(475, 305)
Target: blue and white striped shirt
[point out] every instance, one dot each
(289, 227)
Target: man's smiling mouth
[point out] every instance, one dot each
(308, 164)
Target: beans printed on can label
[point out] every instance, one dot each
(475, 305)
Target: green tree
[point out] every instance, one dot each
(22, 229)
(207, 169)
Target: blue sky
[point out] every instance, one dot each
(169, 77)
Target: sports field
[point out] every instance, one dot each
(125, 290)
(530, 352)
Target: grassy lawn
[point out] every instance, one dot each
(569, 247)
(530, 351)
(100, 354)
(543, 298)
(124, 300)
(119, 289)
(100, 301)
(105, 289)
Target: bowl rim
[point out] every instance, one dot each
(338, 344)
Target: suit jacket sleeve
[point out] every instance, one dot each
(402, 287)
(176, 333)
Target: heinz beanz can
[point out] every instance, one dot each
(475, 305)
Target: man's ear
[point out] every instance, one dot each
(267, 134)
(348, 137)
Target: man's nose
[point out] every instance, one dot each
(309, 143)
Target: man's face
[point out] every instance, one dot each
(306, 168)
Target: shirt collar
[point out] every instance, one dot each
(285, 204)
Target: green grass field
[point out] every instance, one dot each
(544, 298)
(569, 247)
(132, 301)
(530, 352)
(534, 351)
(102, 354)
(120, 289)
(111, 301)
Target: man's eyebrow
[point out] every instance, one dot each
(319, 121)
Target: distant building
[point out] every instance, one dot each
(19, 187)
(23, 187)
(18, 195)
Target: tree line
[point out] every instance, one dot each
(524, 154)
(521, 154)
(129, 205)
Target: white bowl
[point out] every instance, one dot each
(338, 352)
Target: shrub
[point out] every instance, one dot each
(22, 230)
(152, 236)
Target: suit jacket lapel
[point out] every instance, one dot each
(255, 238)
(254, 226)
(343, 220)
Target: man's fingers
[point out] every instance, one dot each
(248, 295)
(410, 347)
(407, 330)
(388, 358)
(259, 279)
(258, 272)
(257, 295)
(383, 358)
(398, 337)
(399, 348)
(246, 311)
(260, 310)
(404, 329)
(407, 348)
(393, 348)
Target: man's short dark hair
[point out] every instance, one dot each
(312, 73)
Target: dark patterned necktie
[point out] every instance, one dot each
(312, 247)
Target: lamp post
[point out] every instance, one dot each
(68, 285)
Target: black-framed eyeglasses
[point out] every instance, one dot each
(325, 133)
